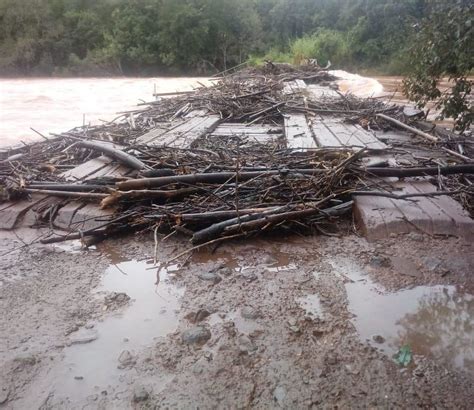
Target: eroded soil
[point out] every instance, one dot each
(291, 322)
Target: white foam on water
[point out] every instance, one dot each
(356, 84)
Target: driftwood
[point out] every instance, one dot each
(457, 155)
(70, 194)
(222, 186)
(216, 229)
(209, 217)
(258, 221)
(408, 128)
(421, 171)
(117, 196)
(119, 155)
(210, 178)
(71, 187)
(288, 216)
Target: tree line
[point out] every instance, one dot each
(140, 37)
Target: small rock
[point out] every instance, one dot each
(378, 339)
(92, 397)
(78, 377)
(126, 359)
(246, 345)
(417, 237)
(83, 337)
(248, 312)
(116, 299)
(201, 314)
(210, 277)
(199, 366)
(318, 333)
(140, 394)
(431, 263)
(196, 335)
(24, 361)
(419, 373)
(279, 395)
(226, 271)
(331, 359)
(380, 262)
(249, 276)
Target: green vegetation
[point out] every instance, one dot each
(444, 47)
(54, 37)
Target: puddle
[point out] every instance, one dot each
(312, 305)
(435, 321)
(91, 367)
(281, 262)
(274, 261)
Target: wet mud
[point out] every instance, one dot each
(285, 321)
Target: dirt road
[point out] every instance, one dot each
(290, 322)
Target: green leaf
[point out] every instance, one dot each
(404, 356)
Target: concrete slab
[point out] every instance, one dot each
(297, 132)
(377, 217)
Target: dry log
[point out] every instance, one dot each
(216, 229)
(408, 128)
(288, 216)
(70, 187)
(421, 171)
(70, 194)
(117, 196)
(210, 178)
(14, 157)
(119, 155)
(209, 217)
(457, 154)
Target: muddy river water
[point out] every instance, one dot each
(56, 105)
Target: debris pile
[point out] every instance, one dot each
(226, 187)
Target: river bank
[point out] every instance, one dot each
(277, 322)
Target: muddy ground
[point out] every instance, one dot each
(283, 321)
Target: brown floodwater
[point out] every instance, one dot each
(59, 104)
(52, 105)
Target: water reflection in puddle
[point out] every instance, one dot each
(274, 261)
(436, 321)
(92, 367)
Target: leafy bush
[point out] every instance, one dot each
(444, 47)
(325, 45)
